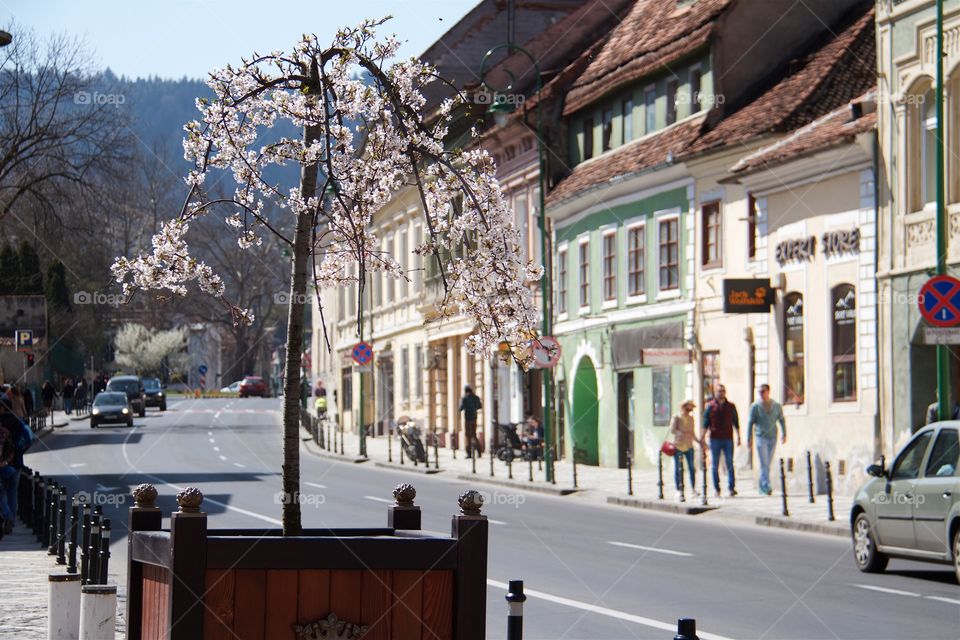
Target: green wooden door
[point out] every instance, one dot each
(586, 413)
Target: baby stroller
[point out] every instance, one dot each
(512, 447)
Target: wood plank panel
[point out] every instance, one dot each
(250, 591)
(281, 613)
(313, 595)
(164, 604)
(218, 609)
(408, 604)
(375, 604)
(438, 605)
(346, 589)
(150, 610)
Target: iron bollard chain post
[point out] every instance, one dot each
(436, 450)
(515, 599)
(686, 629)
(104, 555)
(93, 576)
(629, 473)
(62, 527)
(660, 475)
(37, 506)
(810, 477)
(573, 460)
(703, 472)
(85, 543)
(390, 445)
(53, 509)
(783, 488)
(530, 466)
(492, 471)
(830, 515)
(74, 531)
(473, 459)
(678, 457)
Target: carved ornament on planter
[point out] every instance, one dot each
(330, 628)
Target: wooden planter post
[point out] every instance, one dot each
(143, 516)
(470, 529)
(188, 562)
(404, 515)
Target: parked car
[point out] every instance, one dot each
(133, 387)
(153, 393)
(253, 386)
(234, 387)
(912, 509)
(111, 407)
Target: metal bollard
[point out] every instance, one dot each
(74, 531)
(810, 477)
(492, 472)
(660, 476)
(436, 450)
(573, 460)
(830, 516)
(85, 543)
(686, 629)
(783, 488)
(515, 600)
(53, 519)
(94, 554)
(401, 450)
(62, 528)
(703, 472)
(473, 459)
(342, 450)
(530, 466)
(98, 612)
(390, 445)
(683, 487)
(37, 505)
(510, 467)
(629, 473)
(104, 556)
(63, 606)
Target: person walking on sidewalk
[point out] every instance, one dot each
(15, 398)
(684, 433)
(67, 394)
(470, 404)
(19, 438)
(47, 393)
(765, 413)
(720, 420)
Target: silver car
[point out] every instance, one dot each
(912, 510)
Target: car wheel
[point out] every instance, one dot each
(865, 553)
(956, 551)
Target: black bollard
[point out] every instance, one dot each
(515, 600)
(683, 488)
(53, 519)
(492, 472)
(62, 528)
(473, 459)
(94, 553)
(830, 516)
(37, 505)
(436, 450)
(703, 472)
(660, 476)
(85, 543)
(810, 477)
(510, 467)
(74, 531)
(390, 445)
(783, 488)
(686, 629)
(104, 555)
(629, 473)
(530, 466)
(342, 450)
(401, 450)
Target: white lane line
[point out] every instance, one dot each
(627, 545)
(211, 440)
(216, 416)
(492, 521)
(216, 448)
(942, 599)
(209, 433)
(223, 457)
(895, 592)
(237, 464)
(78, 464)
(604, 611)
(377, 499)
(318, 486)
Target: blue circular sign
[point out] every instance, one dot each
(202, 369)
(940, 301)
(362, 353)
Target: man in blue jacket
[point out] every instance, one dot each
(20, 437)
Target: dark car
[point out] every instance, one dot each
(153, 393)
(111, 407)
(254, 386)
(133, 387)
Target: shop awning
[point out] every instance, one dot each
(626, 345)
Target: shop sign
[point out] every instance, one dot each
(837, 243)
(941, 335)
(747, 295)
(664, 357)
(796, 250)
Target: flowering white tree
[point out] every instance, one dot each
(144, 351)
(362, 141)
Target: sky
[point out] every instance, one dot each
(176, 38)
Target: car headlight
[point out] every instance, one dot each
(159, 394)
(125, 410)
(95, 411)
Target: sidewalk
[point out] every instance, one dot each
(601, 484)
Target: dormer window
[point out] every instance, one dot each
(672, 101)
(607, 129)
(587, 138)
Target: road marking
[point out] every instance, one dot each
(314, 484)
(237, 464)
(209, 433)
(216, 448)
(223, 457)
(604, 611)
(895, 592)
(212, 440)
(683, 554)
(376, 499)
(942, 599)
(78, 464)
(492, 521)
(216, 416)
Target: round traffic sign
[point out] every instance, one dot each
(940, 301)
(546, 352)
(202, 369)
(362, 353)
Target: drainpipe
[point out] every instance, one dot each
(878, 427)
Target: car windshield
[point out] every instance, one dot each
(127, 386)
(252, 380)
(110, 399)
(151, 384)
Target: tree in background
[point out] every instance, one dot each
(145, 351)
(9, 270)
(29, 272)
(57, 292)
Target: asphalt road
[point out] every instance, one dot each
(591, 571)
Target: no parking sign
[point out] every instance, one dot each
(940, 301)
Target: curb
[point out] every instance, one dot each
(408, 468)
(322, 453)
(808, 527)
(520, 486)
(682, 508)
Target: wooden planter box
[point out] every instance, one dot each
(193, 583)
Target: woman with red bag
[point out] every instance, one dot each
(683, 430)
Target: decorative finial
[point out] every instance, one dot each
(470, 502)
(404, 494)
(144, 495)
(190, 500)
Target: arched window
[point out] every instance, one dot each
(844, 331)
(921, 121)
(793, 384)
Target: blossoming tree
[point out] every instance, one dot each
(362, 140)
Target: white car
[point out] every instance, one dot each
(233, 388)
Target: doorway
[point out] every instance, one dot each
(625, 417)
(586, 413)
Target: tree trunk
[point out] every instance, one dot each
(291, 376)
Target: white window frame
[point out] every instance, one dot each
(404, 253)
(605, 232)
(631, 227)
(583, 240)
(563, 250)
(646, 107)
(390, 285)
(668, 294)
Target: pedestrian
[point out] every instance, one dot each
(80, 394)
(684, 433)
(15, 439)
(47, 394)
(765, 413)
(99, 383)
(533, 438)
(470, 404)
(720, 420)
(28, 403)
(15, 397)
(67, 394)
(933, 410)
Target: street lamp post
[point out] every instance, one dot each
(943, 363)
(501, 106)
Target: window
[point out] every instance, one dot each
(377, 281)
(650, 109)
(405, 374)
(523, 223)
(627, 111)
(907, 466)
(587, 138)
(928, 151)
(418, 260)
(610, 265)
(669, 258)
(844, 327)
(404, 262)
(352, 289)
(945, 455)
(607, 129)
(389, 282)
(712, 253)
(346, 388)
(709, 372)
(418, 371)
(751, 227)
(696, 76)
(671, 101)
(341, 302)
(584, 274)
(562, 281)
(636, 254)
(793, 348)
(662, 405)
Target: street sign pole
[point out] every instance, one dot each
(943, 363)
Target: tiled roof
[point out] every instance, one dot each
(651, 36)
(837, 127)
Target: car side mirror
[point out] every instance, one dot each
(876, 471)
